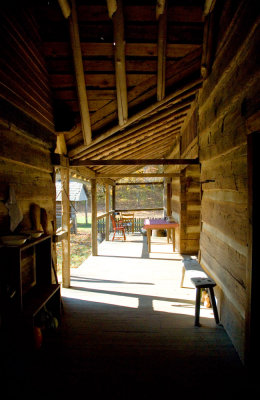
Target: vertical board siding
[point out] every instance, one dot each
(223, 156)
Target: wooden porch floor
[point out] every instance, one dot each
(128, 333)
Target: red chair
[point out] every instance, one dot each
(117, 228)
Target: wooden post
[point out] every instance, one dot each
(168, 195)
(107, 211)
(65, 209)
(113, 197)
(94, 217)
(119, 43)
(165, 197)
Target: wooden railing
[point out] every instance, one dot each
(138, 221)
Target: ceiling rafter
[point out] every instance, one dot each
(119, 50)
(131, 140)
(145, 146)
(170, 100)
(161, 12)
(80, 76)
(152, 48)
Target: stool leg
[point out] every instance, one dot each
(197, 307)
(214, 306)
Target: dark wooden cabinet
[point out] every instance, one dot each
(26, 284)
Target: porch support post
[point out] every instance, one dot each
(94, 217)
(107, 212)
(113, 197)
(168, 197)
(65, 207)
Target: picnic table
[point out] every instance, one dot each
(160, 223)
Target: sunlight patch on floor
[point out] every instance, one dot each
(104, 298)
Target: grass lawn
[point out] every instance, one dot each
(80, 244)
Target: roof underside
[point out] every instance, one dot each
(151, 125)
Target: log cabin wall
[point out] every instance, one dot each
(26, 119)
(24, 79)
(231, 85)
(185, 199)
(190, 210)
(185, 206)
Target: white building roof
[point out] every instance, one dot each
(77, 191)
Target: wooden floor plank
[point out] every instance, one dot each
(128, 332)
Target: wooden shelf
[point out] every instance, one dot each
(37, 298)
(26, 272)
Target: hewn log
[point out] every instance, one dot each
(14, 148)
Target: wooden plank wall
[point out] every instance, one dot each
(23, 75)
(26, 118)
(26, 165)
(223, 155)
(190, 210)
(185, 204)
(185, 199)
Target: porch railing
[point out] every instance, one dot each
(138, 221)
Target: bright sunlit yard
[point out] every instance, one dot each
(80, 244)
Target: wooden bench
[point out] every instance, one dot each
(200, 280)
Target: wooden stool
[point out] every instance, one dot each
(204, 283)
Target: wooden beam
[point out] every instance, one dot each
(59, 160)
(139, 183)
(85, 172)
(65, 206)
(105, 181)
(112, 7)
(209, 6)
(208, 47)
(94, 217)
(61, 147)
(173, 161)
(80, 77)
(113, 197)
(140, 175)
(161, 56)
(119, 45)
(160, 8)
(145, 130)
(127, 143)
(65, 8)
(189, 88)
(107, 212)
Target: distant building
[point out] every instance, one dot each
(78, 202)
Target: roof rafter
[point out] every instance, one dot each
(162, 41)
(80, 77)
(119, 45)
